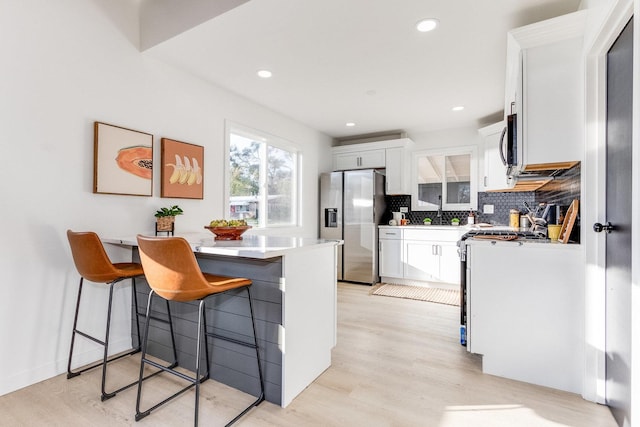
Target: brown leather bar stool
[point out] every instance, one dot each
(173, 274)
(93, 264)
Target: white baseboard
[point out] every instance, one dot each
(49, 370)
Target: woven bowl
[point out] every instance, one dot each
(228, 233)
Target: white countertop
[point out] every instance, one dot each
(541, 243)
(250, 246)
(430, 227)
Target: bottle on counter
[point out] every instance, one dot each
(514, 218)
(472, 218)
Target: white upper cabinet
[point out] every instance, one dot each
(397, 175)
(493, 175)
(392, 155)
(366, 159)
(544, 87)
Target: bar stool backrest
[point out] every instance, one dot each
(90, 258)
(171, 268)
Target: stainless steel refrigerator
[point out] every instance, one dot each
(351, 206)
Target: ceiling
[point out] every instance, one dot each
(362, 61)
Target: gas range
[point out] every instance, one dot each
(505, 234)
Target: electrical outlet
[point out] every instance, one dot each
(488, 209)
(404, 209)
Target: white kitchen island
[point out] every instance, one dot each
(294, 292)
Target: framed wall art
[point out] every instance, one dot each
(182, 170)
(122, 161)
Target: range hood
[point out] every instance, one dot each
(534, 176)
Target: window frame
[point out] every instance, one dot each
(267, 140)
(472, 151)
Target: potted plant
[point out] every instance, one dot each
(166, 217)
(455, 221)
(426, 221)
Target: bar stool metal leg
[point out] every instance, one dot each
(201, 332)
(143, 360)
(105, 343)
(255, 346)
(199, 377)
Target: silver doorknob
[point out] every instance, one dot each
(608, 227)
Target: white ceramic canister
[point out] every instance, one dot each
(398, 216)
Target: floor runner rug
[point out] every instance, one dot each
(437, 295)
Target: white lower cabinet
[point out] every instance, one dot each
(422, 260)
(525, 311)
(390, 248)
(449, 262)
(434, 261)
(422, 254)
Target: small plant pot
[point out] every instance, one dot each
(165, 223)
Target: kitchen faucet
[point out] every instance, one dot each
(439, 214)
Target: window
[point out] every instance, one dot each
(262, 178)
(444, 179)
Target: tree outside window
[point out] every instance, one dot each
(262, 180)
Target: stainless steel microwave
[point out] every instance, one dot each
(509, 144)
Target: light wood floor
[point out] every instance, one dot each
(397, 363)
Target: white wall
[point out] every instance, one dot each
(65, 65)
(446, 138)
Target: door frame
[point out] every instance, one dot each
(594, 196)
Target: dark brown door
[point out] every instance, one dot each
(618, 252)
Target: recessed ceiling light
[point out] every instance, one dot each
(458, 108)
(350, 124)
(265, 74)
(427, 25)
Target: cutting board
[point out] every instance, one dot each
(569, 220)
(497, 237)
